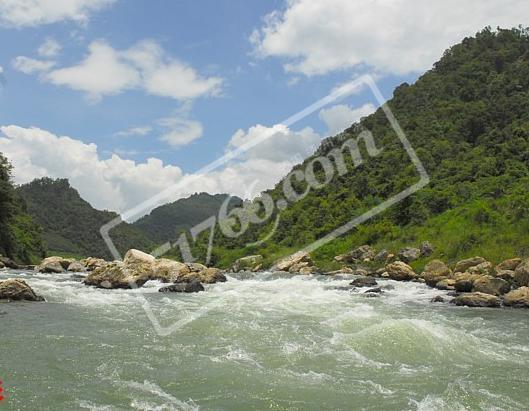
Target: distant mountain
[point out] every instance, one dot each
(165, 223)
(71, 225)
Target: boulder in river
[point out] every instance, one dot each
(191, 287)
(400, 271)
(248, 263)
(92, 263)
(437, 299)
(518, 298)
(464, 282)
(446, 284)
(54, 264)
(463, 265)
(477, 299)
(16, 290)
(491, 285)
(409, 254)
(521, 274)
(510, 264)
(168, 271)
(76, 267)
(435, 271)
(205, 276)
(117, 274)
(9, 263)
(364, 282)
(299, 262)
(507, 275)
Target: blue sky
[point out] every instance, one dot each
(148, 92)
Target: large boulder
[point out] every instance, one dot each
(464, 282)
(248, 263)
(54, 264)
(506, 275)
(299, 262)
(16, 290)
(477, 299)
(484, 268)
(76, 267)
(9, 263)
(168, 271)
(364, 282)
(409, 254)
(118, 275)
(191, 287)
(491, 285)
(359, 254)
(446, 284)
(205, 276)
(400, 271)
(133, 257)
(521, 274)
(92, 263)
(463, 265)
(510, 265)
(518, 298)
(435, 271)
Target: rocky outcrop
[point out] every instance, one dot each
(191, 287)
(477, 299)
(518, 298)
(400, 271)
(248, 263)
(364, 282)
(491, 285)
(463, 265)
(409, 254)
(360, 254)
(435, 271)
(298, 263)
(521, 274)
(205, 275)
(17, 290)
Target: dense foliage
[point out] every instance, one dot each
(468, 120)
(20, 236)
(71, 225)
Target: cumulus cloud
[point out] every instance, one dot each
(319, 36)
(180, 131)
(31, 13)
(28, 65)
(107, 71)
(341, 116)
(50, 48)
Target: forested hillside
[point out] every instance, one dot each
(468, 120)
(71, 225)
(20, 236)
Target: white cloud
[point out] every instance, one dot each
(31, 13)
(396, 36)
(50, 48)
(146, 66)
(339, 117)
(1, 70)
(134, 131)
(180, 131)
(30, 66)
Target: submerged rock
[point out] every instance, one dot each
(16, 290)
(518, 298)
(248, 263)
(400, 271)
(191, 287)
(376, 290)
(477, 299)
(437, 299)
(364, 282)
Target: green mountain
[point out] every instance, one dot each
(20, 236)
(165, 223)
(468, 121)
(71, 225)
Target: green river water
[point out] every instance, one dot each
(259, 342)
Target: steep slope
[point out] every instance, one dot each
(71, 225)
(468, 120)
(166, 222)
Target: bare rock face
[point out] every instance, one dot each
(54, 265)
(248, 263)
(435, 271)
(491, 285)
(477, 299)
(17, 290)
(299, 262)
(518, 298)
(521, 274)
(400, 271)
(463, 265)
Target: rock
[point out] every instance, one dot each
(206, 276)
(409, 254)
(118, 275)
(446, 284)
(521, 274)
(168, 271)
(484, 268)
(510, 265)
(53, 265)
(382, 256)
(364, 282)
(465, 281)
(191, 287)
(133, 257)
(293, 263)
(195, 267)
(92, 263)
(15, 290)
(2, 265)
(453, 294)
(491, 285)
(249, 263)
(477, 299)
(518, 298)
(376, 290)
(437, 299)
(400, 271)
(361, 272)
(426, 249)
(435, 271)
(7, 262)
(463, 265)
(76, 267)
(357, 255)
(506, 275)
(307, 270)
